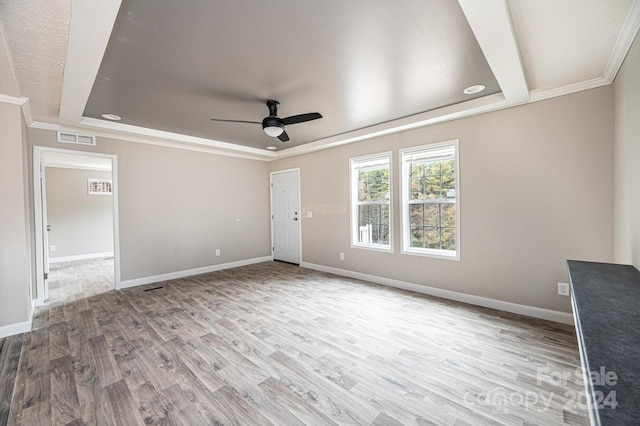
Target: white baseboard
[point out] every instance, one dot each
(190, 272)
(80, 257)
(530, 311)
(21, 327)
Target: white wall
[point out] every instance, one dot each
(536, 190)
(81, 224)
(15, 275)
(177, 207)
(627, 160)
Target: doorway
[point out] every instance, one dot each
(285, 215)
(75, 200)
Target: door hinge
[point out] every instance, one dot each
(46, 275)
(273, 249)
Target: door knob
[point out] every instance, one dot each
(295, 218)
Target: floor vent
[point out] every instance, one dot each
(68, 137)
(155, 288)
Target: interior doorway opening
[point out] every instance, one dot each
(75, 199)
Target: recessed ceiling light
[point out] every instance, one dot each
(272, 148)
(476, 88)
(112, 117)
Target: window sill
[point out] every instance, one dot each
(372, 247)
(437, 254)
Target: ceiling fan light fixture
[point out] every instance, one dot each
(272, 126)
(273, 131)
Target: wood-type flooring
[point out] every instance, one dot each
(276, 344)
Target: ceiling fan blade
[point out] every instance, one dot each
(284, 137)
(235, 121)
(301, 118)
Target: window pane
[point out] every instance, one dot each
(384, 234)
(417, 188)
(363, 214)
(432, 238)
(433, 188)
(432, 168)
(432, 215)
(416, 170)
(385, 214)
(448, 215)
(416, 212)
(448, 238)
(374, 214)
(373, 185)
(417, 237)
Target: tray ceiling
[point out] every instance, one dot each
(370, 67)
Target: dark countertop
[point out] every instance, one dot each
(606, 302)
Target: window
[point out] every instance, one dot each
(430, 193)
(99, 186)
(371, 202)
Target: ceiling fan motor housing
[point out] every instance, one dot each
(272, 121)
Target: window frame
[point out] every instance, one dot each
(354, 203)
(405, 220)
(100, 184)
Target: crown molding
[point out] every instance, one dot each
(626, 37)
(26, 111)
(159, 138)
(16, 100)
(453, 112)
(541, 95)
(24, 103)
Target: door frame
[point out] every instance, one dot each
(297, 170)
(38, 155)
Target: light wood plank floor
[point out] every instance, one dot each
(276, 344)
(79, 279)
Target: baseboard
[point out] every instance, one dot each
(21, 327)
(80, 257)
(190, 272)
(530, 311)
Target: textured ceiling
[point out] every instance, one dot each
(366, 65)
(358, 63)
(575, 43)
(36, 35)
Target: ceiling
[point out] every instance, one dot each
(370, 67)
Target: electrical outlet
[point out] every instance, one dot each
(341, 256)
(563, 289)
(217, 252)
(52, 248)
(309, 214)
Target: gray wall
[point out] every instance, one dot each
(81, 224)
(177, 207)
(536, 189)
(15, 275)
(627, 160)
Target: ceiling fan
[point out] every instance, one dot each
(273, 125)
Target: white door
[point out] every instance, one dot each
(45, 234)
(285, 203)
